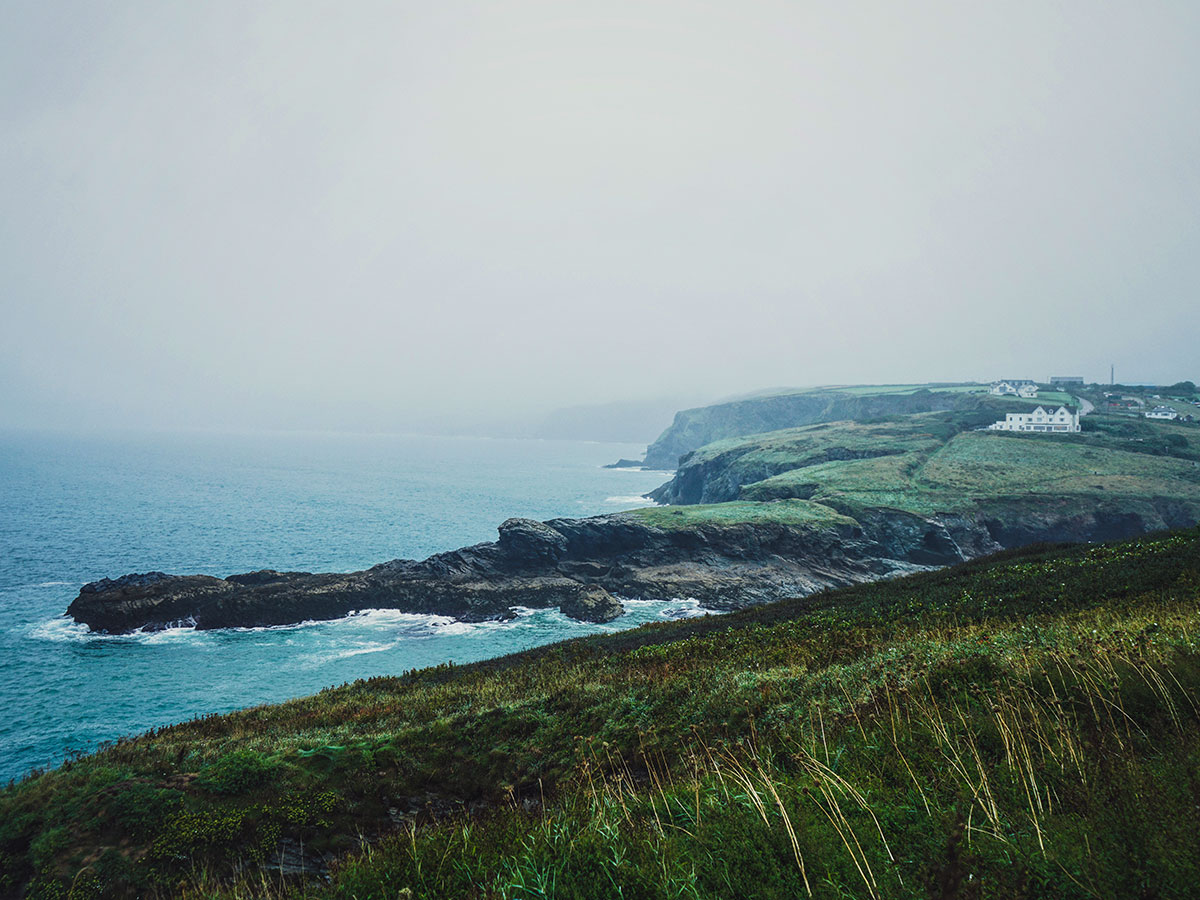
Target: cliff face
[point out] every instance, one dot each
(694, 428)
(719, 478)
(815, 507)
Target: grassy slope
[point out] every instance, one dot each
(798, 446)
(785, 512)
(931, 466)
(1025, 725)
(694, 428)
(975, 467)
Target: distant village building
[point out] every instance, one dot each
(1062, 420)
(1161, 412)
(1015, 388)
(1113, 400)
(1064, 380)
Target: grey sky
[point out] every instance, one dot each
(372, 214)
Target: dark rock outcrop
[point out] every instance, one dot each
(719, 478)
(592, 603)
(584, 565)
(579, 565)
(624, 463)
(527, 541)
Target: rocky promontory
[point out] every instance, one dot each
(584, 566)
(579, 565)
(749, 520)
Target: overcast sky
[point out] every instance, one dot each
(372, 214)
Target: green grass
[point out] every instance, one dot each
(933, 463)
(797, 446)
(978, 467)
(877, 389)
(785, 512)
(999, 465)
(1058, 398)
(883, 482)
(1020, 726)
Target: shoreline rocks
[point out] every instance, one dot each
(583, 565)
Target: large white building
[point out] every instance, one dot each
(1061, 420)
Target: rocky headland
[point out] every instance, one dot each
(749, 519)
(584, 567)
(580, 565)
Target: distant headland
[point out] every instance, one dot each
(773, 496)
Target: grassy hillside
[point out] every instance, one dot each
(975, 467)
(785, 512)
(935, 462)
(694, 428)
(1020, 726)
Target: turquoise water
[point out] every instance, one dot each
(75, 509)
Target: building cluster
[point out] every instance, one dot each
(1115, 401)
(1061, 420)
(1017, 387)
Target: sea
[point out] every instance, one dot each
(77, 508)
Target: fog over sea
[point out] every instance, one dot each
(75, 509)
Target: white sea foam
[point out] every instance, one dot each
(632, 499)
(61, 630)
(680, 608)
(319, 659)
(393, 626)
(393, 618)
(55, 583)
(178, 634)
(360, 617)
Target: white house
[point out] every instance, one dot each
(1026, 389)
(1161, 412)
(1061, 420)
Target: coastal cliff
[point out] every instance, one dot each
(750, 520)
(579, 565)
(695, 428)
(727, 556)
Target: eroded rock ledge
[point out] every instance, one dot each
(579, 565)
(584, 565)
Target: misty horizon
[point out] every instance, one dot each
(384, 217)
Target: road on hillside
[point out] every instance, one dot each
(1085, 406)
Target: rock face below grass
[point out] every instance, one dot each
(575, 564)
(583, 565)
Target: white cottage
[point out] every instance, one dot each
(1025, 389)
(1060, 421)
(1161, 412)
